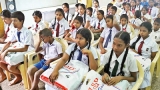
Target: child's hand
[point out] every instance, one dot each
(53, 76)
(114, 80)
(47, 62)
(4, 54)
(105, 78)
(103, 51)
(85, 51)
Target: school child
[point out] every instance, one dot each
(113, 12)
(124, 5)
(136, 22)
(145, 16)
(67, 15)
(71, 36)
(24, 44)
(9, 28)
(118, 3)
(89, 12)
(81, 50)
(127, 11)
(108, 11)
(82, 13)
(124, 24)
(95, 7)
(59, 25)
(106, 37)
(76, 9)
(138, 5)
(115, 60)
(143, 43)
(133, 6)
(38, 23)
(144, 3)
(98, 25)
(153, 11)
(155, 34)
(52, 51)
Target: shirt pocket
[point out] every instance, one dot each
(52, 50)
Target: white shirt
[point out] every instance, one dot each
(26, 38)
(64, 25)
(95, 11)
(76, 53)
(92, 19)
(149, 46)
(102, 23)
(146, 16)
(74, 32)
(105, 34)
(136, 22)
(130, 64)
(126, 28)
(138, 7)
(10, 32)
(155, 35)
(154, 12)
(41, 26)
(69, 16)
(52, 50)
(124, 12)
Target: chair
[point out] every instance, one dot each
(92, 37)
(63, 43)
(95, 43)
(133, 34)
(158, 65)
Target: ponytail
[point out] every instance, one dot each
(134, 44)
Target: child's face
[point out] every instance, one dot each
(99, 15)
(88, 12)
(59, 16)
(151, 3)
(118, 46)
(156, 26)
(109, 22)
(124, 21)
(81, 41)
(137, 2)
(133, 3)
(127, 8)
(95, 4)
(144, 11)
(6, 20)
(36, 19)
(124, 6)
(144, 33)
(45, 39)
(77, 24)
(81, 10)
(17, 23)
(113, 12)
(65, 9)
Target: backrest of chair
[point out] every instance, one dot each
(119, 10)
(63, 43)
(92, 37)
(133, 32)
(46, 24)
(98, 61)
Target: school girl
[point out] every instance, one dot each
(145, 16)
(67, 14)
(95, 7)
(124, 24)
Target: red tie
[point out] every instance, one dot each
(140, 48)
(150, 11)
(57, 30)
(133, 10)
(5, 36)
(98, 27)
(36, 27)
(124, 29)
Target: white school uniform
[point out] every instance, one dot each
(154, 12)
(64, 25)
(87, 18)
(126, 27)
(136, 22)
(139, 7)
(92, 19)
(130, 64)
(149, 46)
(155, 35)
(96, 21)
(95, 11)
(69, 16)
(105, 34)
(10, 32)
(41, 26)
(146, 16)
(74, 32)
(124, 12)
(84, 57)
(51, 50)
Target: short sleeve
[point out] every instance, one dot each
(29, 38)
(51, 23)
(42, 26)
(103, 34)
(88, 18)
(94, 52)
(70, 48)
(13, 37)
(70, 17)
(133, 40)
(93, 24)
(155, 47)
(59, 48)
(103, 25)
(66, 25)
(105, 57)
(133, 64)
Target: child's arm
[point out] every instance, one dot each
(153, 54)
(66, 32)
(149, 20)
(53, 59)
(96, 30)
(68, 38)
(116, 25)
(87, 24)
(101, 45)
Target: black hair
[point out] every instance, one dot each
(37, 13)
(138, 14)
(90, 9)
(6, 13)
(87, 35)
(145, 7)
(96, 2)
(147, 25)
(110, 16)
(128, 5)
(124, 16)
(67, 5)
(126, 38)
(124, 3)
(157, 20)
(77, 5)
(101, 11)
(58, 10)
(156, 4)
(114, 8)
(46, 32)
(84, 7)
(19, 15)
(108, 6)
(79, 18)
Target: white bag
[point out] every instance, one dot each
(70, 76)
(93, 81)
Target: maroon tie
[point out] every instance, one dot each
(36, 27)
(98, 27)
(140, 48)
(150, 11)
(5, 36)
(57, 29)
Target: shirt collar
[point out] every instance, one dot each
(84, 47)
(60, 20)
(147, 40)
(22, 29)
(51, 44)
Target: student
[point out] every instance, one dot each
(153, 11)
(115, 60)
(98, 25)
(144, 3)
(145, 16)
(25, 43)
(138, 5)
(52, 51)
(9, 28)
(155, 34)
(81, 50)
(89, 12)
(108, 11)
(82, 13)
(95, 7)
(124, 5)
(76, 9)
(136, 22)
(59, 25)
(67, 15)
(106, 37)
(113, 12)
(124, 24)
(71, 36)
(143, 44)
(133, 6)
(38, 23)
